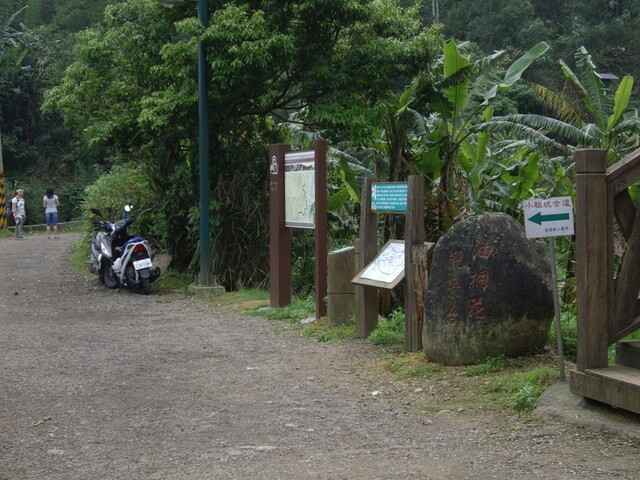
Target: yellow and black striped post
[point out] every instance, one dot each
(4, 221)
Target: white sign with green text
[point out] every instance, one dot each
(551, 217)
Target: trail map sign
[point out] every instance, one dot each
(387, 268)
(300, 189)
(297, 199)
(552, 217)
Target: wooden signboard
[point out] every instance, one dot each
(298, 199)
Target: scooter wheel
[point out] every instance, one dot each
(145, 286)
(109, 278)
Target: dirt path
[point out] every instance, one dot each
(96, 384)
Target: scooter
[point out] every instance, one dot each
(121, 260)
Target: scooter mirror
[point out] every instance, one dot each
(128, 208)
(95, 211)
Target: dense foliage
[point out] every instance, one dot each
(132, 91)
(86, 86)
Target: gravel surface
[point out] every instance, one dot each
(101, 384)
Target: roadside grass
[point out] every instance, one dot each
(299, 315)
(79, 256)
(390, 331)
(172, 281)
(498, 384)
(521, 390)
(411, 365)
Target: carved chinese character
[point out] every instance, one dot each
(480, 279)
(452, 316)
(482, 250)
(475, 309)
(453, 286)
(455, 259)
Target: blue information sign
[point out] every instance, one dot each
(389, 197)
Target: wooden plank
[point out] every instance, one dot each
(628, 282)
(414, 235)
(594, 254)
(603, 388)
(625, 212)
(628, 353)
(366, 297)
(618, 373)
(624, 173)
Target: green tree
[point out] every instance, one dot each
(493, 24)
(133, 91)
(30, 62)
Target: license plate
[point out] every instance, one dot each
(144, 263)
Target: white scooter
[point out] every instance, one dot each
(120, 260)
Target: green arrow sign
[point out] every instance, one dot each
(539, 217)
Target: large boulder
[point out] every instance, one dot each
(489, 293)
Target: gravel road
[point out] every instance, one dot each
(101, 384)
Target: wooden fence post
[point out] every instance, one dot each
(414, 235)
(366, 297)
(279, 234)
(594, 253)
(340, 290)
(321, 227)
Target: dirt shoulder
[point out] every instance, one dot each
(103, 384)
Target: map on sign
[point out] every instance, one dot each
(299, 189)
(386, 269)
(551, 217)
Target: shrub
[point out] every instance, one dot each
(524, 388)
(390, 330)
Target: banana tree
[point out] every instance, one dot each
(460, 99)
(586, 115)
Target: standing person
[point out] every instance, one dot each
(19, 212)
(50, 203)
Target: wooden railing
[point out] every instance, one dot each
(608, 306)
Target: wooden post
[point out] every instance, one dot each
(321, 227)
(594, 249)
(279, 235)
(414, 235)
(340, 290)
(421, 260)
(366, 297)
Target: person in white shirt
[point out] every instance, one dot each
(19, 212)
(50, 203)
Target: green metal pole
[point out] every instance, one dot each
(203, 141)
